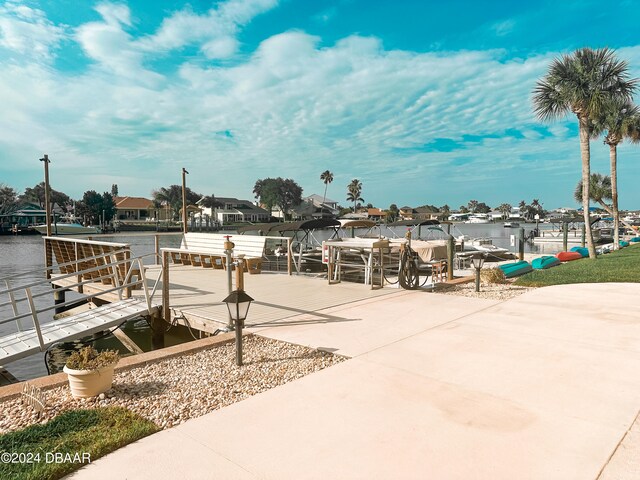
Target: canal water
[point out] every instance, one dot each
(25, 253)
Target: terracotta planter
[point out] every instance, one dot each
(89, 383)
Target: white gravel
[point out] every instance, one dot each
(171, 391)
(493, 291)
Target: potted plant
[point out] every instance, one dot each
(90, 372)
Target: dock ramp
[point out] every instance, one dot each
(85, 268)
(27, 342)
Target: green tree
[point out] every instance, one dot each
(114, 190)
(483, 208)
(505, 210)
(599, 191)
(327, 178)
(172, 196)
(93, 206)
(8, 198)
(392, 213)
(472, 206)
(354, 192)
(583, 83)
(619, 120)
(36, 195)
(284, 193)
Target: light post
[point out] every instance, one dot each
(184, 200)
(238, 303)
(477, 261)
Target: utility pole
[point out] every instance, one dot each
(184, 200)
(47, 206)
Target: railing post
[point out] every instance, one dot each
(451, 247)
(34, 316)
(157, 248)
(48, 257)
(521, 244)
(166, 309)
(289, 255)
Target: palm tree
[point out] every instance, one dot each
(599, 191)
(583, 83)
(620, 119)
(327, 178)
(505, 210)
(354, 190)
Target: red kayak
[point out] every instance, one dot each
(568, 256)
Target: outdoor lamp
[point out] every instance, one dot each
(477, 261)
(238, 303)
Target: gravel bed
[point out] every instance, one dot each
(493, 291)
(172, 391)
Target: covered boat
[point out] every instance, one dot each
(568, 256)
(516, 269)
(545, 262)
(584, 251)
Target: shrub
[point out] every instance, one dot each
(492, 275)
(88, 358)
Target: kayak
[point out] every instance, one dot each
(635, 239)
(623, 243)
(516, 269)
(544, 262)
(581, 250)
(568, 256)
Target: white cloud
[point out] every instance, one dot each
(214, 30)
(27, 31)
(293, 108)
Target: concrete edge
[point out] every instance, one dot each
(9, 392)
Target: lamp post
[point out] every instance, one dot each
(238, 303)
(184, 200)
(477, 261)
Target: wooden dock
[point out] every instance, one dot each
(196, 296)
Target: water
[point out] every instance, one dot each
(25, 253)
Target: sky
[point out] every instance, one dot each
(423, 101)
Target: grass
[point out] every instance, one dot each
(620, 266)
(82, 434)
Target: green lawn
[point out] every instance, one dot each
(66, 443)
(620, 266)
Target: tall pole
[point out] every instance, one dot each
(184, 200)
(47, 206)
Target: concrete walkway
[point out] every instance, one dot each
(543, 386)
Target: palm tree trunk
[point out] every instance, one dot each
(585, 153)
(324, 197)
(613, 157)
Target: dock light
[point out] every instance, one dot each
(477, 261)
(238, 303)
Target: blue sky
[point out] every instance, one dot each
(426, 102)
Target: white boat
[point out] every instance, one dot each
(66, 229)
(511, 224)
(479, 218)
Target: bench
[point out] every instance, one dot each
(207, 250)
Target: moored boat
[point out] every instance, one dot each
(66, 229)
(516, 269)
(545, 262)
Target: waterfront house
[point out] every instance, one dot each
(136, 209)
(234, 210)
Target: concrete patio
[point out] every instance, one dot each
(542, 386)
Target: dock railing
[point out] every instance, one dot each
(117, 267)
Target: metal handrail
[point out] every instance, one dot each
(119, 287)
